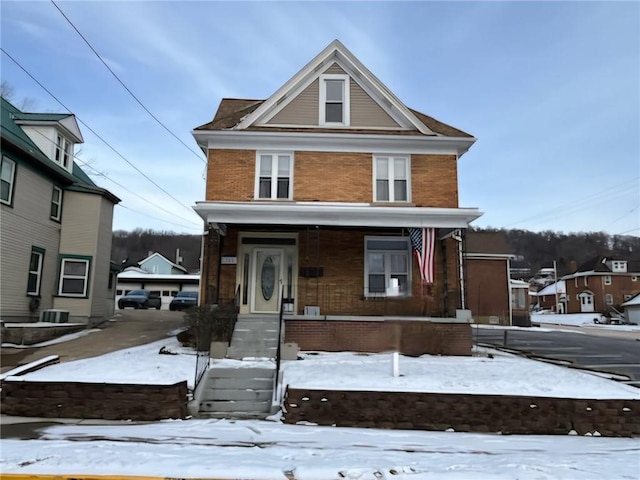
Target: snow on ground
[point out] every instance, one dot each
(139, 365)
(502, 375)
(565, 319)
(266, 450)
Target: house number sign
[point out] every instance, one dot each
(229, 261)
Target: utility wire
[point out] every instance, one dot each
(94, 132)
(160, 219)
(124, 86)
(104, 175)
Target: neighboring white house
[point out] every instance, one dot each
(159, 275)
(632, 309)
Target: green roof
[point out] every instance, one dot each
(82, 176)
(41, 117)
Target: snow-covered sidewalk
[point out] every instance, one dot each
(267, 450)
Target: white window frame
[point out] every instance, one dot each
(391, 179)
(634, 278)
(37, 272)
(57, 204)
(85, 277)
(346, 99)
(607, 279)
(619, 266)
(274, 175)
(63, 151)
(11, 181)
(387, 269)
(608, 299)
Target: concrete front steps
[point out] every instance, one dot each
(254, 337)
(241, 391)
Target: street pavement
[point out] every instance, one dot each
(129, 328)
(609, 351)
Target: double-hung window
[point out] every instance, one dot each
(607, 279)
(74, 277)
(387, 267)
(63, 152)
(7, 180)
(391, 178)
(334, 99)
(56, 204)
(274, 172)
(35, 272)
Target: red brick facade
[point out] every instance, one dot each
(488, 289)
(622, 287)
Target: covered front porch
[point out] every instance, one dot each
(331, 261)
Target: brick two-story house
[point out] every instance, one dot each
(314, 193)
(55, 223)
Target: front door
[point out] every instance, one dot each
(586, 302)
(267, 280)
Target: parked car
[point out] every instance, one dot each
(140, 299)
(184, 300)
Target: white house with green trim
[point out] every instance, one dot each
(55, 223)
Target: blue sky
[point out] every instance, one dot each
(550, 89)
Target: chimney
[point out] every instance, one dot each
(178, 257)
(573, 266)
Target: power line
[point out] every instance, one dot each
(627, 231)
(104, 175)
(94, 132)
(160, 219)
(124, 86)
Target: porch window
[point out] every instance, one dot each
(273, 176)
(387, 267)
(391, 179)
(334, 100)
(74, 277)
(35, 271)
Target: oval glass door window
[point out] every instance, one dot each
(268, 278)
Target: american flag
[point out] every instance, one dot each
(423, 241)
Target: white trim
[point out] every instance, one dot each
(346, 99)
(59, 203)
(11, 182)
(332, 142)
(85, 277)
(334, 52)
(390, 177)
(318, 213)
(274, 175)
(277, 291)
(37, 273)
(607, 279)
(491, 256)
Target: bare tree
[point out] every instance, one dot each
(8, 92)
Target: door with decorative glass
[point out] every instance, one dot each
(267, 280)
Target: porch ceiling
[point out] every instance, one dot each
(334, 214)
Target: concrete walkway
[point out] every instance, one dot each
(130, 328)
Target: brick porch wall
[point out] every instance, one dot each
(409, 337)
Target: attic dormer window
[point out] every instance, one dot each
(63, 152)
(334, 99)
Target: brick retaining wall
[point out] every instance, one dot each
(409, 337)
(463, 413)
(94, 400)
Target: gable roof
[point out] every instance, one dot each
(240, 114)
(635, 300)
(156, 254)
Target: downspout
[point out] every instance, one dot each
(220, 245)
(445, 281)
(463, 291)
(203, 270)
(510, 299)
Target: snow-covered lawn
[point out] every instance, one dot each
(267, 450)
(503, 374)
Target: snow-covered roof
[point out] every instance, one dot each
(519, 283)
(551, 289)
(633, 301)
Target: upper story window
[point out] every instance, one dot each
(334, 99)
(607, 279)
(619, 266)
(7, 180)
(391, 179)
(63, 152)
(274, 174)
(608, 299)
(56, 204)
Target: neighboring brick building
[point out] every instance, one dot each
(315, 190)
(599, 285)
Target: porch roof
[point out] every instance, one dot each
(333, 214)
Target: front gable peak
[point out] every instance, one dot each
(334, 90)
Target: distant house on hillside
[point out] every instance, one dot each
(55, 224)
